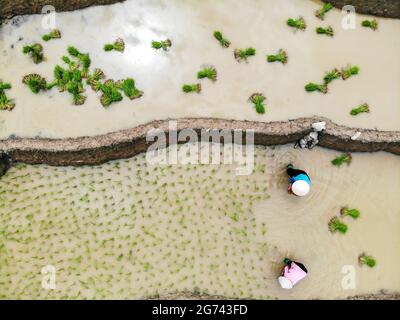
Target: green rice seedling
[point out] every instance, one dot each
(310, 87)
(62, 77)
(53, 34)
(164, 44)
(350, 71)
(332, 75)
(225, 43)
(97, 75)
(110, 93)
(35, 82)
(354, 213)
(118, 45)
(335, 224)
(208, 72)
(244, 54)
(258, 100)
(75, 87)
(70, 79)
(72, 65)
(188, 88)
(342, 159)
(328, 31)
(364, 108)
(5, 103)
(373, 24)
(281, 56)
(129, 88)
(84, 60)
(35, 51)
(298, 24)
(364, 259)
(320, 13)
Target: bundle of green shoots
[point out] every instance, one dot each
(342, 159)
(110, 92)
(84, 60)
(128, 87)
(320, 13)
(208, 72)
(328, 31)
(298, 24)
(118, 45)
(281, 56)
(364, 108)
(373, 24)
(188, 88)
(244, 54)
(332, 75)
(354, 213)
(350, 71)
(5, 103)
(94, 78)
(258, 100)
(69, 79)
(165, 44)
(367, 260)
(35, 82)
(335, 224)
(53, 34)
(35, 51)
(225, 43)
(310, 87)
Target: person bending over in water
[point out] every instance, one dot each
(292, 273)
(299, 182)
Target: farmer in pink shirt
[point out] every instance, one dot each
(292, 273)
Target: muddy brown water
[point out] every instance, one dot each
(190, 24)
(130, 229)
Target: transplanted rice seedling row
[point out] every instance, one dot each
(127, 229)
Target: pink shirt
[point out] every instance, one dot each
(294, 273)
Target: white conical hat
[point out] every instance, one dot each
(300, 188)
(285, 283)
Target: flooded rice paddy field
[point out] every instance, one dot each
(128, 229)
(190, 24)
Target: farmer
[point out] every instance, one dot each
(299, 182)
(292, 273)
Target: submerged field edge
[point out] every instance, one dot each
(95, 150)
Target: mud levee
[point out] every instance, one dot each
(127, 143)
(382, 8)
(11, 8)
(185, 295)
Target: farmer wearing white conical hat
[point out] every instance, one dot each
(299, 182)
